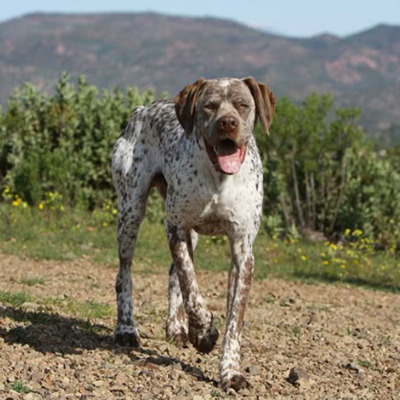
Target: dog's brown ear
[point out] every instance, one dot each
(185, 102)
(265, 101)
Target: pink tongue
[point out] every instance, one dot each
(230, 163)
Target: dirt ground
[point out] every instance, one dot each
(300, 341)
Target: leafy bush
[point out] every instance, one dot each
(320, 172)
(63, 142)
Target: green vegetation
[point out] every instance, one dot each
(322, 179)
(14, 299)
(75, 233)
(32, 281)
(20, 387)
(321, 174)
(58, 147)
(86, 311)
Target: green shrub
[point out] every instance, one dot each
(63, 142)
(320, 172)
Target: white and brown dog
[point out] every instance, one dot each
(200, 153)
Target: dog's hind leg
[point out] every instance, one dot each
(129, 220)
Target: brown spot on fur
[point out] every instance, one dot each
(265, 101)
(185, 102)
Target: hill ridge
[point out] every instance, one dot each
(154, 50)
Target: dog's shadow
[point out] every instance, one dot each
(57, 334)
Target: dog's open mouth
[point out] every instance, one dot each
(227, 156)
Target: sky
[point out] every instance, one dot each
(297, 18)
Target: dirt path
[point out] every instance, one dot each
(343, 342)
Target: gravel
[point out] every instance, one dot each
(300, 341)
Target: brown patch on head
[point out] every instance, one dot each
(185, 102)
(265, 101)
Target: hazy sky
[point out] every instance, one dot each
(288, 17)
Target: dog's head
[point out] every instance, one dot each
(224, 112)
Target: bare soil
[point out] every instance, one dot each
(300, 341)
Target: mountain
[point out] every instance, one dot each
(150, 50)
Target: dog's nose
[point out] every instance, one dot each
(228, 124)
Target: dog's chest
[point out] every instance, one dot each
(214, 204)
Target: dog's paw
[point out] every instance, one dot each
(234, 380)
(177, 336)
(180, 340)
(204, 340)
(127, 336)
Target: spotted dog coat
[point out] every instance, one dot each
(200, 153)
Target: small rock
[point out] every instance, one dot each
(70, 255)
(353, 366)
(139, 362)
(145, 372)
(64, 383)
(31, 307)
(120, 378)
(361, 375)
(177, 366)
(313, 318)
(118, 388)
(145, 334)
(11, 395)
(253, 369)
(181, 392)
(284, 392)
(32, 396)
(268, 385)
(57, 395)
(197, 372)
(298, 377)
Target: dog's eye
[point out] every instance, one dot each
(211, 105)
(243, 106)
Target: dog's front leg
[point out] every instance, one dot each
(239, 283)
(202, 331)
(176, 326)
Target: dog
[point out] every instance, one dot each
(199, 151)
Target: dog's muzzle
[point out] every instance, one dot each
(226, 156)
